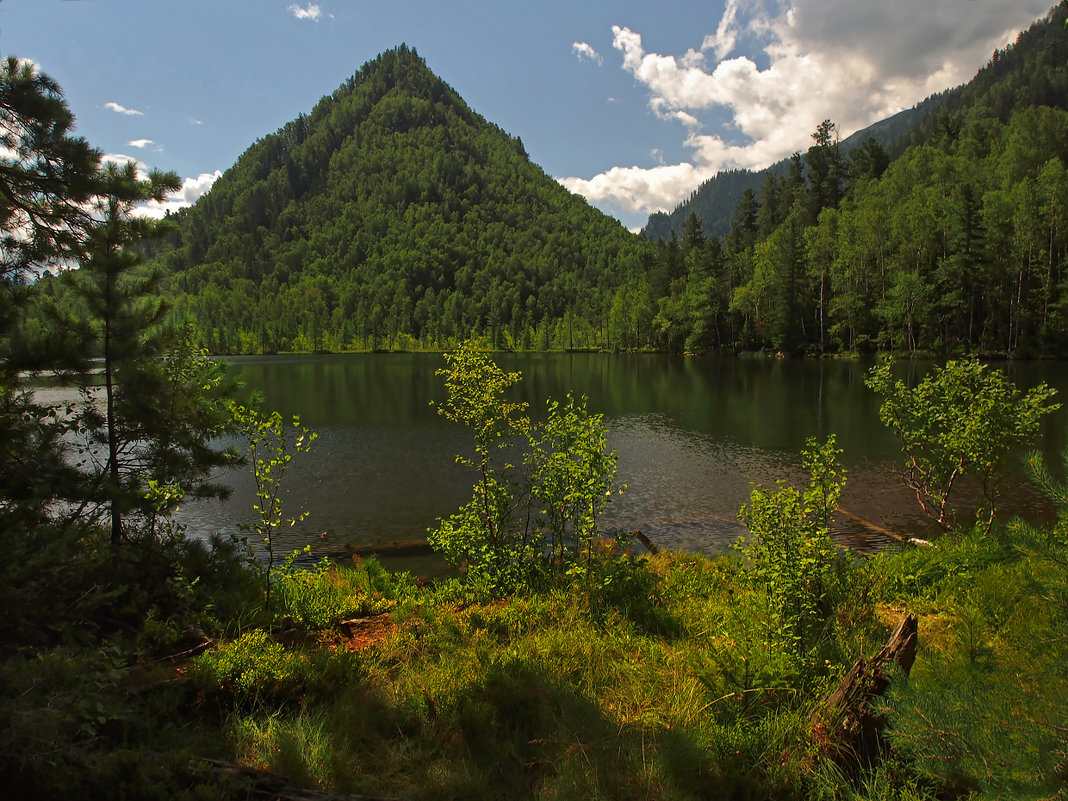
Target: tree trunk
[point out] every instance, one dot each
(845, 724)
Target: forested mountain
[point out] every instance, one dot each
(1032, 72)
(394, 216)
(715, 200)
(958, 245)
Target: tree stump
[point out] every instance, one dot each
(845, 725)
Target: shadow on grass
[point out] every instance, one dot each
(519, 733)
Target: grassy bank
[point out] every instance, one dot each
(667, 683)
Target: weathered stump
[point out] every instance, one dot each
(845, 724)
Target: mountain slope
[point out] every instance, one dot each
(1033, 71)
(394, 216)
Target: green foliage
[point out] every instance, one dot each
(960, 420)
(321, 596)
(253, 664)
(394, 217)
(921, 577)
(270, 452)
(983, 710)
(523, 524)
(297, 746)
(47, 174)
(791, 556)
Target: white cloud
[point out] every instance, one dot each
(638, 189)
(852, 61)
(141, 144)
(312, 12)
(187, 195)
(119, 109)
(726, 35)
(585, 52)
(192, 189)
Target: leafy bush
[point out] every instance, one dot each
(529, 520)
(959, 420)
(251, 665)
(791, 555)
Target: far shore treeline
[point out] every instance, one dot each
(395, 217)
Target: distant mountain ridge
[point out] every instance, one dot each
(1037, 58)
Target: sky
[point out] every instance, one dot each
(629, 104)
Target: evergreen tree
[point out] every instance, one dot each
(161, 405)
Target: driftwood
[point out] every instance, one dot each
(846, 726)
(417, 547)
(262, 785)
(883, 530)
(644, 540)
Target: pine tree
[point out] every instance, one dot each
(160, 406)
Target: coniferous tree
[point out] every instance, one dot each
(160, 408)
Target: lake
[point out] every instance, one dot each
(693, 436)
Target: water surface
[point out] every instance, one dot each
(693, 436)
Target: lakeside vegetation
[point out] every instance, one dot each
(555, 664)
(148, 670)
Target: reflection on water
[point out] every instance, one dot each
(693, 435)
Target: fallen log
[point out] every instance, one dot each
(644, 540)
(845, 724)
(883, 530)
(396, 548)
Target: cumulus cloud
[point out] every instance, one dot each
(141, 144)
(120, 109)
(585, 52)
(192, 189)
(726, 36)
(636, 189)
(312, 12)
(852, 61)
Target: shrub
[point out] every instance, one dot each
(959, 420)
(790, 553)
(321, 596)
(253, 664)
(532, 519)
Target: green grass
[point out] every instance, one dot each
(666, 684)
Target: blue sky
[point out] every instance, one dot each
(630, 104)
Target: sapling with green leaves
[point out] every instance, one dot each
(960, 420)
(572, 476)
(790, 552)
(531, 518)
(270, 452)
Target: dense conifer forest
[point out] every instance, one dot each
(394, 217)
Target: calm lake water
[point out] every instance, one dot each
(692, 434)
